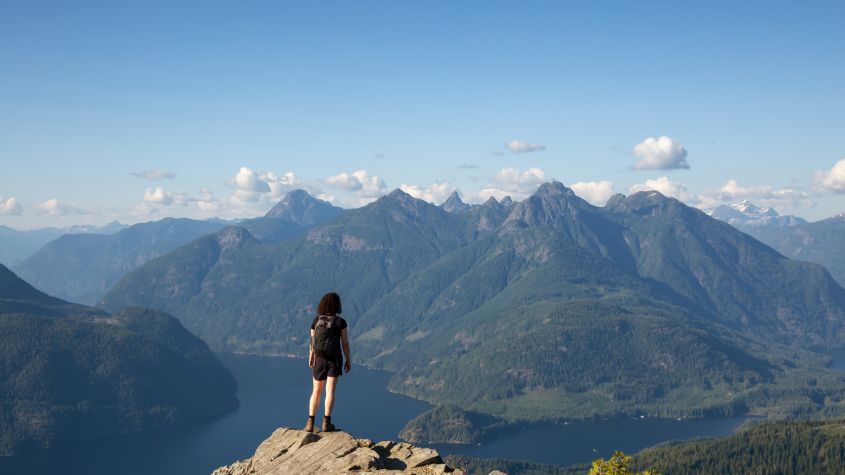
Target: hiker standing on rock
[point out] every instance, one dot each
(328, 338)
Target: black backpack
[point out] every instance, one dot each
(326, 342)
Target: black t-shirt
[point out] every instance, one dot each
(337, 328)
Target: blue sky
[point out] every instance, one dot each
(239, 101)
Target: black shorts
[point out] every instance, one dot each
(324, 368)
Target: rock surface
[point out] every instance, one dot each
(289, 451)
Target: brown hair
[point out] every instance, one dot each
(329, 305)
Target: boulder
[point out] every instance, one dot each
(289, 451)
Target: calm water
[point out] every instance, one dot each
(274, 391)
(837, 359)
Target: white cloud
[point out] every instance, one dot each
(158, 195)
(206, 201)
(254, 193)
(152, 175)
(279, 185)
(596, 192)
(434, 193)
(667, 187)
(10, 207)
(511, 182)
(831, 180)
(359, 184)
(247, 180)
(467, 166)
(55, 207)
(518, 146)
(663, 153)
(765, 195)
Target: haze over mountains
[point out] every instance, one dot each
(20, 244)
(83, 267)
(642, 306)
(821, 241)
(71, 372)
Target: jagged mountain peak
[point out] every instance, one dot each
(548, 206)
(454, 203)
(747, 213)
(302, 208)
(553, 188)
(750, 209)
(645, 202)
(405, 201)
(492, 201)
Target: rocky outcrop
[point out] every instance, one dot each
(289, 451)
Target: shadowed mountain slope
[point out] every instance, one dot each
(71, 372)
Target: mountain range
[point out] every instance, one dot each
(547, 308)
(16, 245)
(820, 241)
(82, 267)
(71, 372)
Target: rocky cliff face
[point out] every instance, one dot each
(289, 451)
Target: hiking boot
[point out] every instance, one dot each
(328, 426)
(309, 426)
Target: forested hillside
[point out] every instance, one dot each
(71, 372)
(541, 309)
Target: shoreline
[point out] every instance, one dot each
(514, 426)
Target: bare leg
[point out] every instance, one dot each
(330, 386)
(315, 397)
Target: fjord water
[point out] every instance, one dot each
(273, 392)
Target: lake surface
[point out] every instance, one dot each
(274, 392)
(837, 359)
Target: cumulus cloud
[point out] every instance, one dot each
(663, 153)
(55, 207)
(158, 195)
(765, 195)
(434, 193)
(518, 146)
(831, 180)
(206, 201)
(10, 207)
(360, 184)
(596, 192)
(253, 191)
(511, 182)
(247, 179)
(666, 187)
(279, 185)
(153, 175)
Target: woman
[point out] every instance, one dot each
(328, 337)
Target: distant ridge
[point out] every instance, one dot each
(820, 242)
(644, 306)
(83, 267)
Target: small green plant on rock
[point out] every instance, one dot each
(617, 464)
